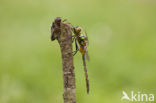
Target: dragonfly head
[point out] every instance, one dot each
(78, 29)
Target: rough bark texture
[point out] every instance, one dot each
(65, 41)
(64, 37)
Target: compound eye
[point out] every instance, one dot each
(78, 29)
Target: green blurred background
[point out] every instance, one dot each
(122, 49)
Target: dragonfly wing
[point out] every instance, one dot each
(87, 38)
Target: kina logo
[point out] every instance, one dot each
(139, 97)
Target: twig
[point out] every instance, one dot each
(62, 32)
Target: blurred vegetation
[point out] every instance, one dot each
(122, 49)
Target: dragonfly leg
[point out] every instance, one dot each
(73, 38)
(77, 48)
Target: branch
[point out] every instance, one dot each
(62, 32)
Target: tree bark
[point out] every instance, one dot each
(64, 37)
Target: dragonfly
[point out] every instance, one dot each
(81, 43)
